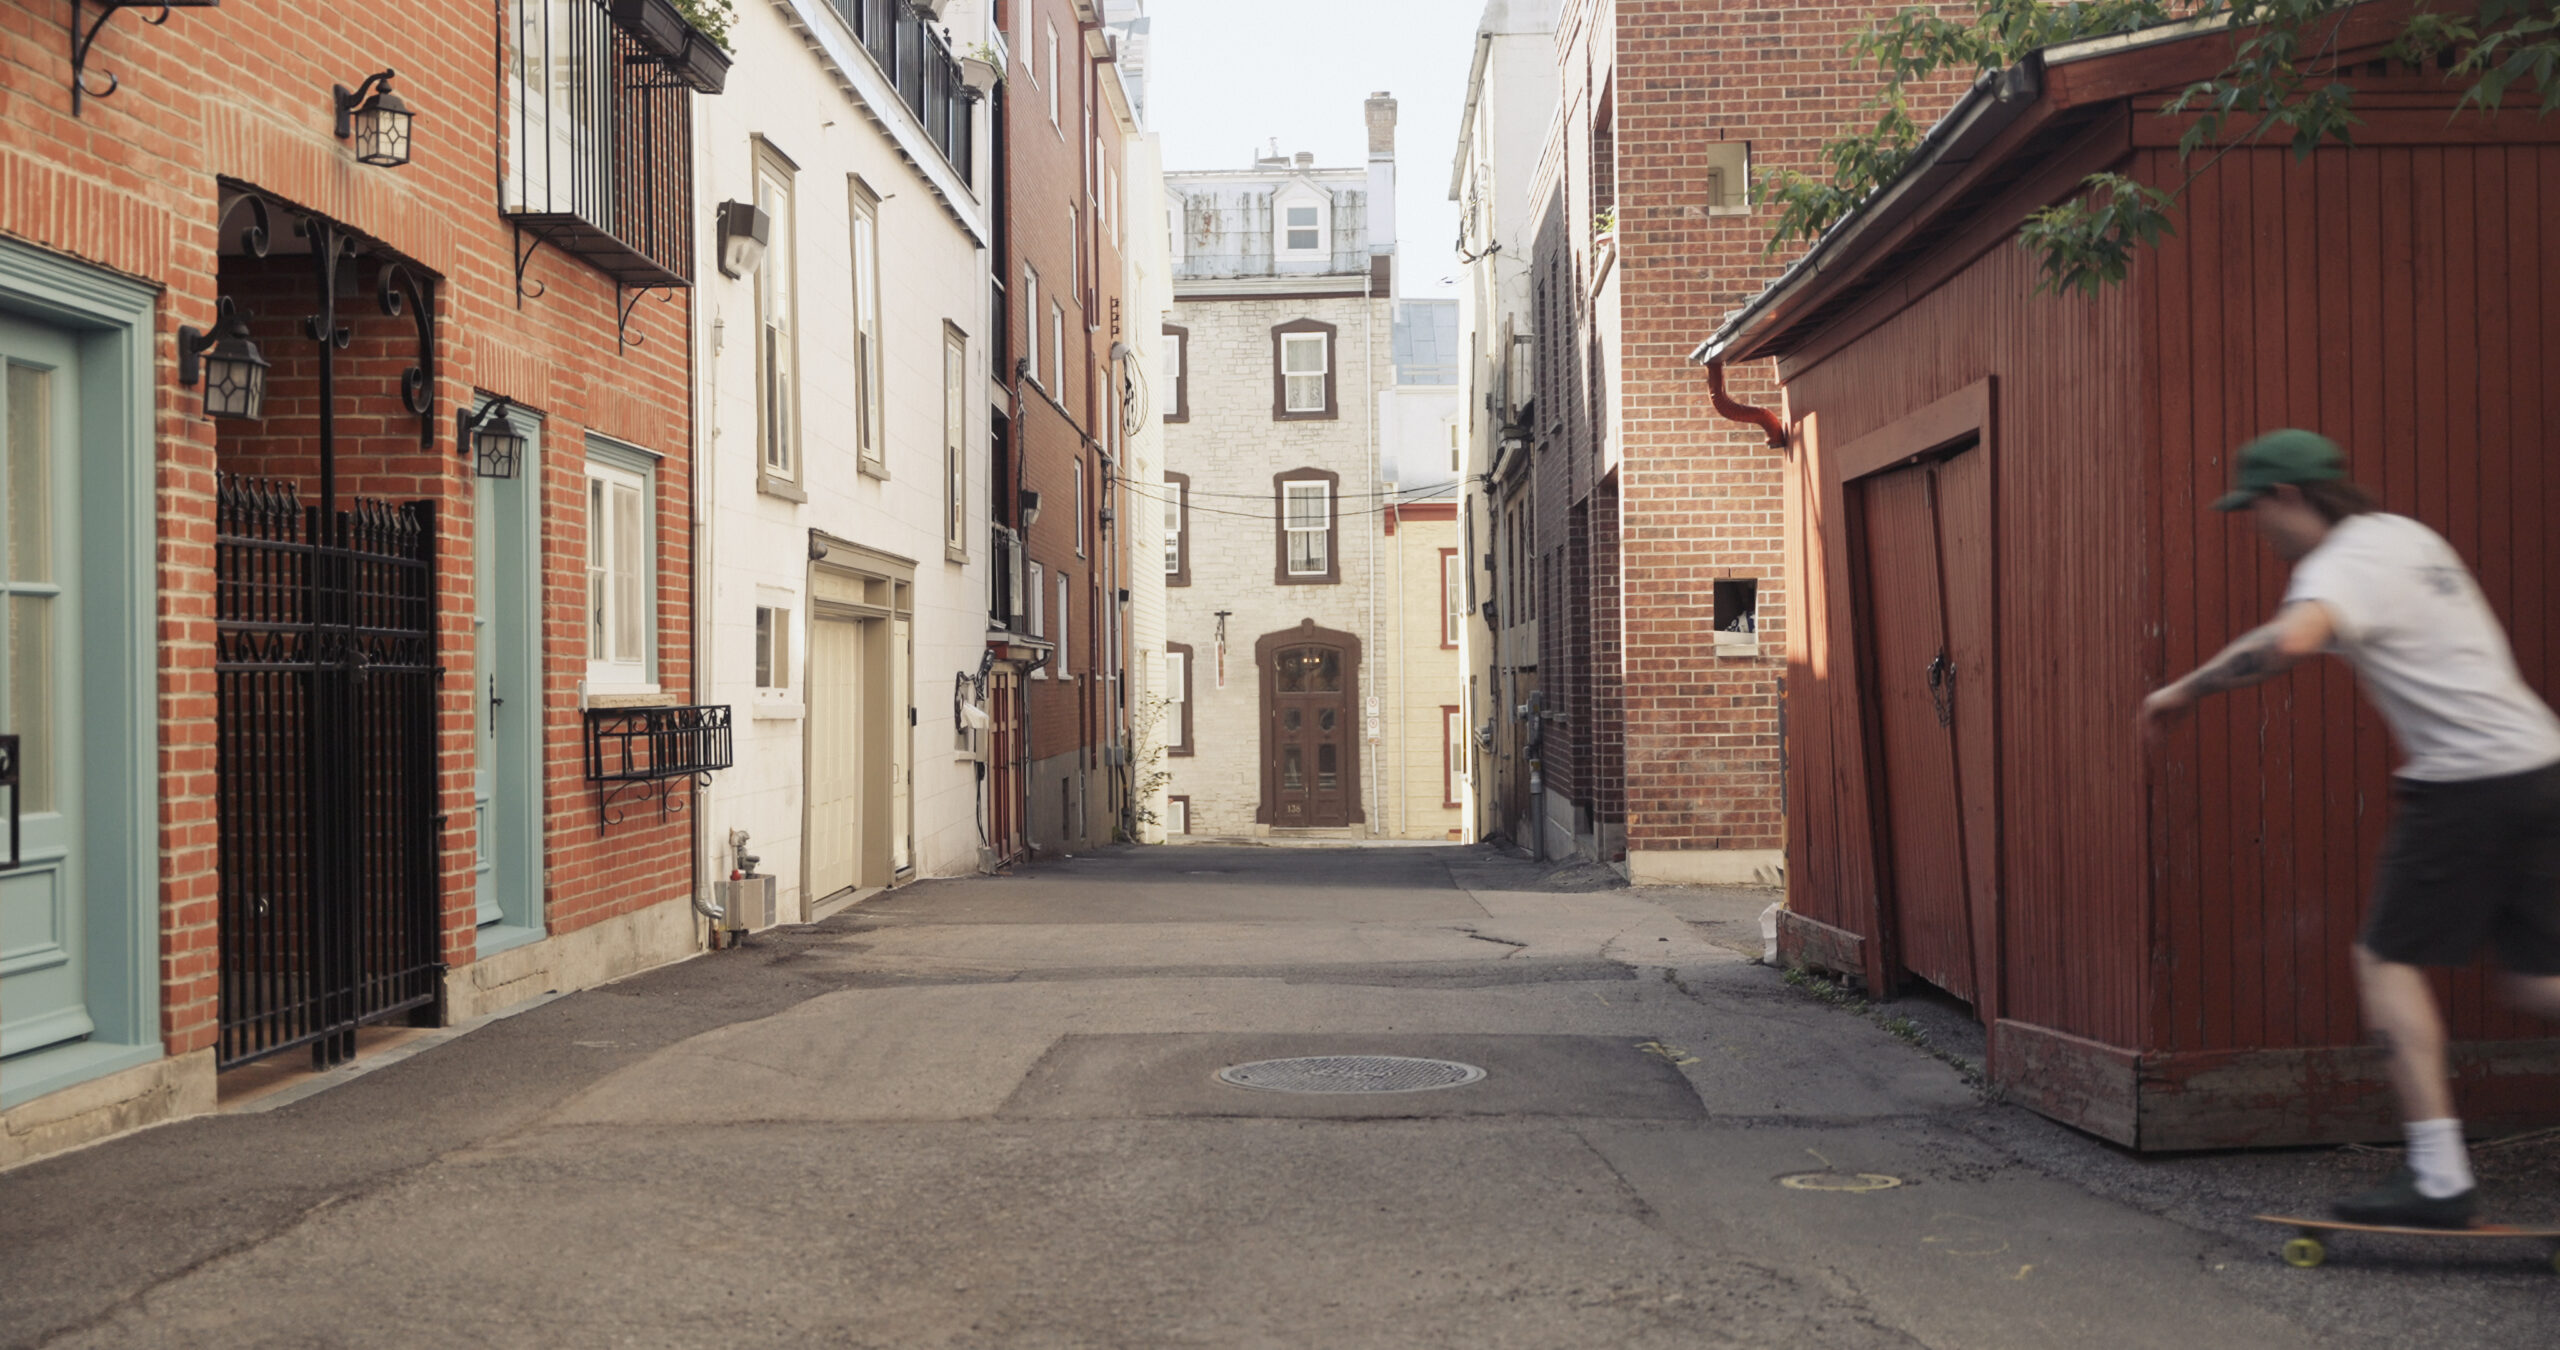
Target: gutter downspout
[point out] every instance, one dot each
(1769, 422)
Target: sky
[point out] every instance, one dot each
(1225, 76)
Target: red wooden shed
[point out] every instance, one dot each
(1997, 505)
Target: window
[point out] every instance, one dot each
(1177, 815)
(1031, 322)
(1453, 589)
(1177, 533)
(1301, 232)
(1081, 509)
(1307, 506)
(773, 648)
(777, 302)
(1454, 464)
(1302, 360)
(1066, 625)
(1302, 376)
(1453, 756)
(1302, 229)
(1075, 240)
(1052, 82)
(1177, 374)
(1058, 349)
(870, 430)
(621, 570)
(1729, 178)
(1177, 698)
(1036, 589)
(955, 444)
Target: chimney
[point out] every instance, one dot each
(1381, 110)
(1382, 125)
(1306, 159)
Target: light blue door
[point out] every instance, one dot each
(44, 996)
(506, 804)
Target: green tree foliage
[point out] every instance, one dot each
(2280, 81)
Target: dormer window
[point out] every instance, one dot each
(1301, 219)
(1303, 232)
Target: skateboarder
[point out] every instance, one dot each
(2473, 855)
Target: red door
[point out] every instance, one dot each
(1926, 607)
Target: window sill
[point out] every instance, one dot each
(873, 468)
(955, 555)
(598, 695)
(779, 487)
(776, 709)
(498, 937)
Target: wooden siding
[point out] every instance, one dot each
(2402, 300)
(2069, 594)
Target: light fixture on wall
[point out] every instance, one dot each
(376, 119)
(490, 437)
(743, 228)
(232, 369)
(1030, 507)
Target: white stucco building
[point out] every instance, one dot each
(842, 383)
(1511, 98)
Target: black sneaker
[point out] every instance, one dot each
(2396, 1203)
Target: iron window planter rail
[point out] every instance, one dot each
(633, 753)
(689, 56)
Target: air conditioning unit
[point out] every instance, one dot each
(745, 904)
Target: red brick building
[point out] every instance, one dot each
(1056, 621)
(1638, 531)
(341, 703)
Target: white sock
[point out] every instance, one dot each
(2436, 1155)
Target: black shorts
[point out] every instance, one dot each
(2469, 864)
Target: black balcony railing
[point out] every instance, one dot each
(913, 55)
(600, 152)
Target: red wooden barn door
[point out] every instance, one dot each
(1926, 532)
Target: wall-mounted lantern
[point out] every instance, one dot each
(490, 438)
(1030, 507)
(376, 119)
(232, 369)
(743, 227)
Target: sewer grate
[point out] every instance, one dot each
(1350, 1073)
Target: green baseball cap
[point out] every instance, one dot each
(2290, 455)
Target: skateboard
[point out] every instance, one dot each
(2305, 1249)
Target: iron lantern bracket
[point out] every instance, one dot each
(81, 42)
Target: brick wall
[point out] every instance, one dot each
(132, 184)
(1645, 497)
(1061, 221)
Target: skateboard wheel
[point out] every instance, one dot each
(2303, 1253)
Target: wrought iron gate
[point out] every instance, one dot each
(325, 769)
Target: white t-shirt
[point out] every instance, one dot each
(2421, 637)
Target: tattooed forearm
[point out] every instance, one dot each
(2255, 657)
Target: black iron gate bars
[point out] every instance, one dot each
(325, 769)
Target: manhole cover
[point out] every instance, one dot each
(1350, 1073)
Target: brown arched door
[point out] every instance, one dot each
(1309, 773)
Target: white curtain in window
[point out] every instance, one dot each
(1309, 522)
(1173, 528)
(1302, 362)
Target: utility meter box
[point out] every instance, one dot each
(745, 903)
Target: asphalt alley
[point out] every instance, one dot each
(986, 1113)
